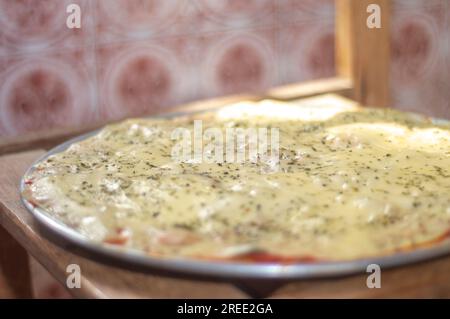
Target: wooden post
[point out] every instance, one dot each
(15, 278)
(363, 53)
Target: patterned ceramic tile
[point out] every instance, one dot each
(413, 4)
(153, 54)
(419, 50)
(237, 62)
(306, 51)
(46, 90)
(294, 11)
(236, 14)
(140, 77)
(118, 20)
(27, 26)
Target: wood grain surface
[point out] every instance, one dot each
(336, 85)
(15, 280)
(363, 54)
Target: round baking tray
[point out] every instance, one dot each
(220, 270)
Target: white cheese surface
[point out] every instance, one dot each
(351, 183)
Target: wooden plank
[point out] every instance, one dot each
(337, 85)
(50, 138)
(15, 280)
(429, 279)
(344, 42)
(43, 139)
(363, 53)
(98, 280)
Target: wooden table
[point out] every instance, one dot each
(21, 236)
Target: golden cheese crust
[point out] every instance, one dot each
(351, 183)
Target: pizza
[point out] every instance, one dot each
(348, 183)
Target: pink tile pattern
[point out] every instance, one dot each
(242, 60)
(420, 77)
(132, 57)
(46, 90)
(307, 51)
(27, 26)
(136, 78)
(118, 20)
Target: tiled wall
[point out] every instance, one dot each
(420, 70)
(132, 56)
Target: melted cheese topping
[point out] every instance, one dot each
(351, 183)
